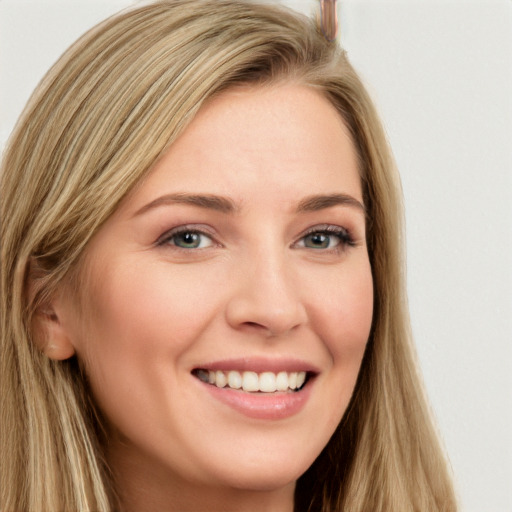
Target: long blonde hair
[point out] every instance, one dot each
(100, 118)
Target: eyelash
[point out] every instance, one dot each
(167, 238)
(345, 239)
(343, 235)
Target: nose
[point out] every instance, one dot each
(266, 298)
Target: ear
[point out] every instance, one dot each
(48, 331)
(50, 334)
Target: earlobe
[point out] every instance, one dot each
(50, 335)
(48, 332)
(58, 352)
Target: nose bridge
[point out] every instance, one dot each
(267, 297)
(272, 280)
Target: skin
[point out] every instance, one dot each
(255, 287)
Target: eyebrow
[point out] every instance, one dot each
(225, 205)
(209, 202)
(320, 202)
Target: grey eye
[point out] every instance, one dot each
(190, 240)
(321, 240)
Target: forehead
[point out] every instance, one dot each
(285, 138)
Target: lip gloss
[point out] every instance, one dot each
(264, 406)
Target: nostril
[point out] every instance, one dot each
(257, 327)
(263, 312)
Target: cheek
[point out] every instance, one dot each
(342, 318)
(145, 311)
(344, 314)
(136, 328)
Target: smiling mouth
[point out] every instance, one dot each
(253, 382)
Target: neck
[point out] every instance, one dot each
(194, 498)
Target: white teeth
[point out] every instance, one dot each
(266, 382)
(282, 381)
(301, 378)
(234, 380)
(250, 381)
(220, 379)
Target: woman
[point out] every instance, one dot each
(203, 304)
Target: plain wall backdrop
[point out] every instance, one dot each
(440, 73)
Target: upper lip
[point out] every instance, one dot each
(259, 365)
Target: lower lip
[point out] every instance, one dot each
(263, 406)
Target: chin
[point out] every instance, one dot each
(265, 481)
(263, 475)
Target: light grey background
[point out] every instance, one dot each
(441, 75)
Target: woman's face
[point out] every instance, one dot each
(240, 261)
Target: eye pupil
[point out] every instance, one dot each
(318, 241)
(188, 240)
